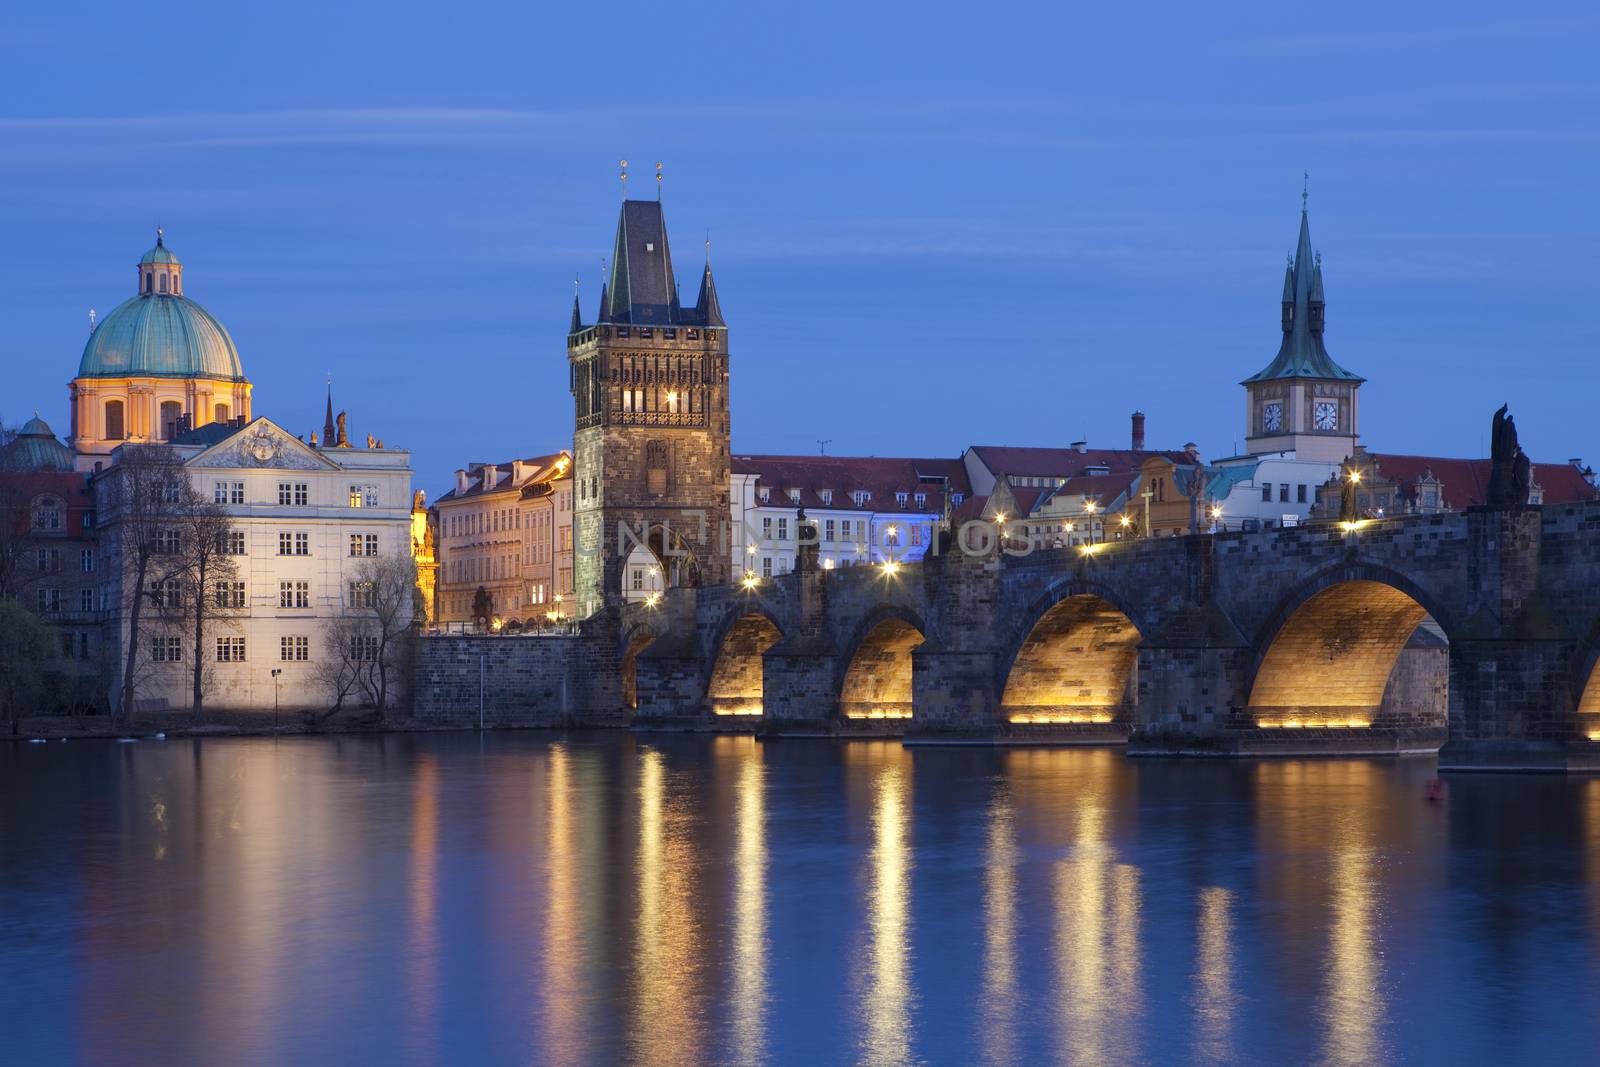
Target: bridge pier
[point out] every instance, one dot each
(1512, 707)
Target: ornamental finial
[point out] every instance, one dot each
(624, 178)
(658, 183)
(161, 235)
(1305, 189)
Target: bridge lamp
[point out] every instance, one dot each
(750, 581)
(1125, 521)
(1000, 518)
(1355, 476)
(652, 600)
(890, 568)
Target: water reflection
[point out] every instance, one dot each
(1097, 941)
(422, 897)
(883, 968)
(518, 898)
(997, 1018)
(1214, 992)
(667, 1027)
(749, 978)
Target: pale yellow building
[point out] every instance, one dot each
(157, 365)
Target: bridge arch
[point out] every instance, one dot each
(1328, 655)
(875, 673)
(634, 641)
(735, 685)
(1586, 684)
(1073, 660)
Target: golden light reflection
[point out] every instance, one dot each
(1353, 1009)
(740, 709)
(879, 713)
(750, 909)
(997, 1019)
(422, 904)
(884, 992)
(1097, 945)
(1314, 720)
(562, 1040)
(666, 1028)
(1214, 993)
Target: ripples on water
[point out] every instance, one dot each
(609, 899)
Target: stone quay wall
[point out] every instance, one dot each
(555, 681)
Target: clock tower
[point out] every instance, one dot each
(649, 383)
(1303, 402)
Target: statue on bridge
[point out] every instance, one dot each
(1509, 475)
(1349, 486)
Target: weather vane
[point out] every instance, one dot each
(624, 177)
(658, 183)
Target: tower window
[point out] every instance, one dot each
(222, 413)
(114, 420)
(163, 283)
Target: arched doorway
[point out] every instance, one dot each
(738, 675)
(1077, 665)
(877, 681)
(637, 642)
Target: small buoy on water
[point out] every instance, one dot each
(159, 737)
(38, 740)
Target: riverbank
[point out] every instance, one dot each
(222, 723)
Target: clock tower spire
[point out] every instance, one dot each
(1303, 402)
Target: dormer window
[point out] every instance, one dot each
(860, 496)
(764, 494)
(794, 496)
(900, 499)
(922, 501)
(826, 495)
(956, 498)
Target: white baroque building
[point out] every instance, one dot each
(303, 519)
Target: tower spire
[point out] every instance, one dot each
(577, 312)
(328, 430)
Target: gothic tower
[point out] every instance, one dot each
(649, 382)
(1303, 402)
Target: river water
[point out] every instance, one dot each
(524, 898)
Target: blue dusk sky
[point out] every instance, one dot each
(932, 225)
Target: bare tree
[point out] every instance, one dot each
(25, 645)
(14, 522)
(209, 577)
(370, 644)
(146, 494)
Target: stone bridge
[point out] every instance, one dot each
(1474, 631)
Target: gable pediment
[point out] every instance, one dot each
(267, 445)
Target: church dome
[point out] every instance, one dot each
(36, 448)
(160, 333)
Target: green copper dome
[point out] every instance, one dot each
(36, 448)
(160, 336)
(160, 333)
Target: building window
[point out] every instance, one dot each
(49, 560)
(826, 495)
(166, 649)
(86, 600)
(294, 649)
(764, 494)
(293, 494)
(956, 498)
(638, 578)
(234, 543)
(766, 566)
(363, 544)
(363, 595)
(47, 514)
(221, 413)
(228, 493)
(827, 529)
(167, 594)
(1283, 492)
(921, 500)
(860, 496)
(363, 648)
(1300, 494)
(293, 544)
(86, 561)
(783, 529)
(114, 420)
(294, 594)
(230, 650)
(229, 595)
(49, 601)
(766, 527)
(1266, 493)
(171, 411)
(916, 535)
(167, 542)
(900, 499)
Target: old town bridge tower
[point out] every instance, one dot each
(649, 384)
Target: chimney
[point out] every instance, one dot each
(1079, 446)
(1138, 431)
(1192, 450)
(518, 470)
(461, 481)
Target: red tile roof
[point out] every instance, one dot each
(1065, 462)
(541, 466)
(1464, 482)
(883, 478)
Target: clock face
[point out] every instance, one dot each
(1325, 415)
(1272, 417)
